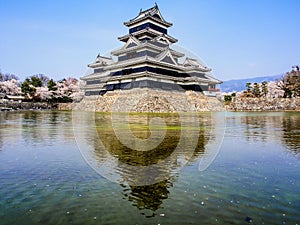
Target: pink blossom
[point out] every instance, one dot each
(43, 93)
(69, 87)
(274, 90)
(10, 87)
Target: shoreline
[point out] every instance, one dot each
(21, 106)
(150, 112)
(237, 105)
(264, 104)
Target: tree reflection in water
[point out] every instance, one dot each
(276, 126)
(291, 133)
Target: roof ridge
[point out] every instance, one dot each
(150, 9)
(104, 57)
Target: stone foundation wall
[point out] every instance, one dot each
(26, 105)
(264, 104)
(65, 106)
(147, 100)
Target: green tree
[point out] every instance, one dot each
(51, 84)
(28, 89)
(256, 90)
(248, 87)
(227, 98)
(264, 88)
(36, 81)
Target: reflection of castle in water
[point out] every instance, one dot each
(148, 197)
(140, 128)
(130, 165)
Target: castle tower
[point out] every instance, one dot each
(147, 60)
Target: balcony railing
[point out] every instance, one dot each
(214, 89)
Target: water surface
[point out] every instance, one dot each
(46, 178)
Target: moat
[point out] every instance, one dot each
(49, 177)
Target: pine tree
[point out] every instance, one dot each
(256, 90)
(264, 88)
(248, 86)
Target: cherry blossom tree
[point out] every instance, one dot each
(10, 87)
(41, 88)
(43, 94)
(275, 90)
(68, 90)
(290, 83)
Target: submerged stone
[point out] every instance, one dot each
(248, 219)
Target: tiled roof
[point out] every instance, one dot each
(152, 13)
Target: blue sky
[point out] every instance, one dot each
(237, 39)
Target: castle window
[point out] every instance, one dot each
(131, 55)
(148, 25)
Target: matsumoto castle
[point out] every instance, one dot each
(147, 61)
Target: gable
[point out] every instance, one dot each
(132, 44)
(168, 59)
(156, 15)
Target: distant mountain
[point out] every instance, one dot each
(240, 84)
